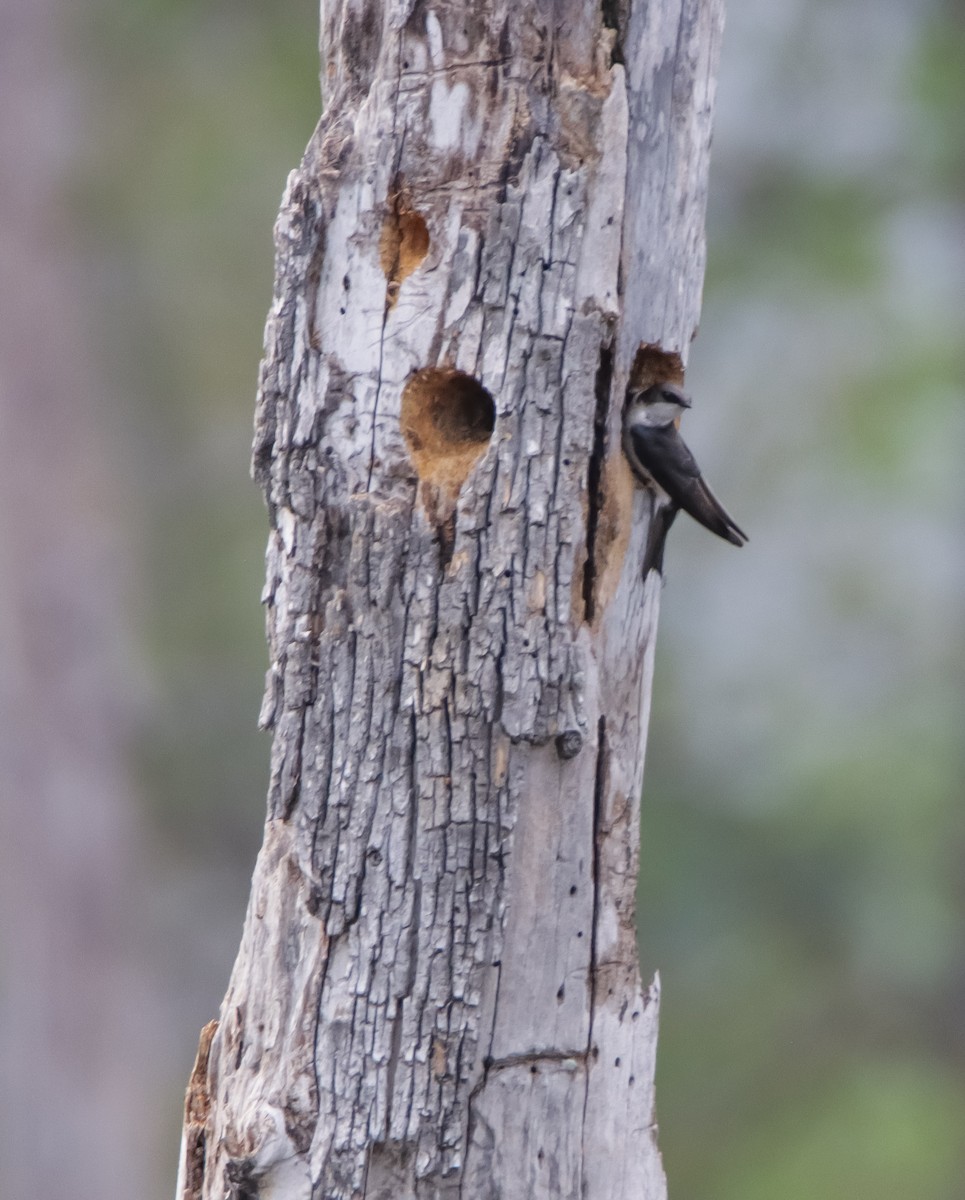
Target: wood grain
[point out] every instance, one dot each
(437, 992)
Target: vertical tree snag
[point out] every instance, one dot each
(497, 222)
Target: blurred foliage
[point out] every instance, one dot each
(198, 113)
(202, 111)
(803, 828)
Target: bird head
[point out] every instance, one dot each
(659, 405)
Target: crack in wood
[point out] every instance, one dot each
(599, 798)
(534, 1058)
(613, 13)
(594, 483)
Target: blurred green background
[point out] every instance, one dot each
(802, 891)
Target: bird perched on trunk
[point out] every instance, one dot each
(661, 461)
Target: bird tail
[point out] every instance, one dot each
(661, 518)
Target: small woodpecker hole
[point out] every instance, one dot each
(652, 365)
(413, 242)
(403, 245)
(447, 419)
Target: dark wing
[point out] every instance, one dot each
(664, 455)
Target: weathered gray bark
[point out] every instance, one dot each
(495, 225)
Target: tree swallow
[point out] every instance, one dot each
(661, 461)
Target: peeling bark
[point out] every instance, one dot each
(437, 992)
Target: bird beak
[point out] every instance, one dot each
(685, 400)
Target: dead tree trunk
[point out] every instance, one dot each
(498, 223)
